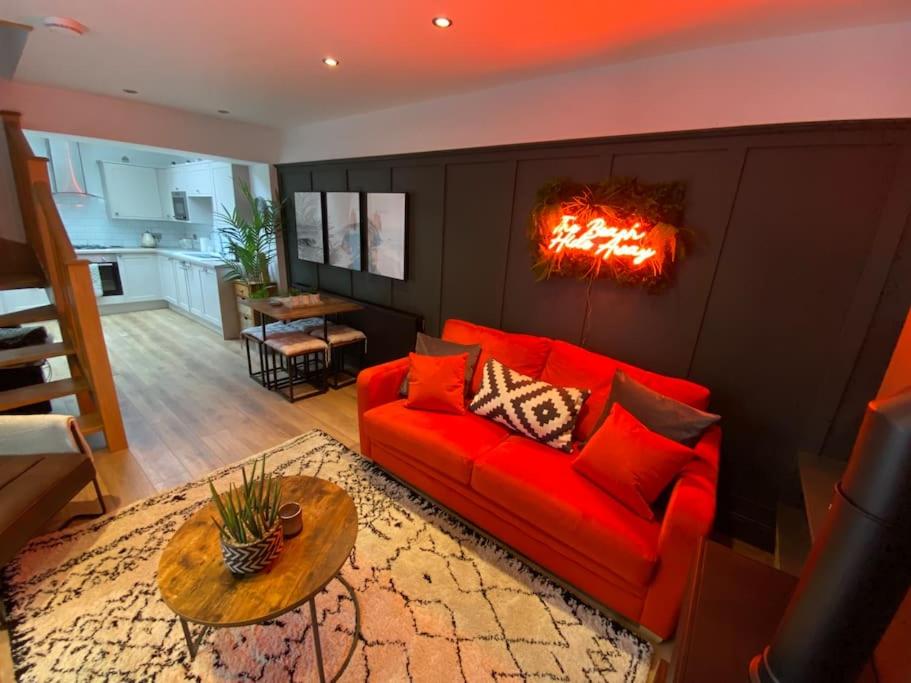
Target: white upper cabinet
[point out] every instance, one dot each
(195, 179)
(199, 181)
(164, 193)
(131, 191)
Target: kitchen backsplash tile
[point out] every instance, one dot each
(87, 222)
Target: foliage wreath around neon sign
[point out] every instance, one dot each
(621, 229)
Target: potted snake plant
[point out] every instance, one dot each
(250, 529)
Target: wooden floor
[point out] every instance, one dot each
(189, 408)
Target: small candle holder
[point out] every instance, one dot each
(290, 515)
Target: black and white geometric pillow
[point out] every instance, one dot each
(536, 409)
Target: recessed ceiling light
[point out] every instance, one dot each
(442, 22)
(330, 61)
(66, 25)
(130, 91)
(223, 111)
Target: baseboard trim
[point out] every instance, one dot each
(130, 307)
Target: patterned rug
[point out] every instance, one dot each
(439, 602)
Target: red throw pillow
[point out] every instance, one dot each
(630, 462)
(437, 383)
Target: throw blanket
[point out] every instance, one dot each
(30, 434)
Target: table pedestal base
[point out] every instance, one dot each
(193, 643)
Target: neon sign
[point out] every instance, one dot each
(620, 228)
(601, 240)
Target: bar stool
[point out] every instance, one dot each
(255, 334)
(339, 338)
(292, 347)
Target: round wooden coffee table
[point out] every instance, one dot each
(197, 586)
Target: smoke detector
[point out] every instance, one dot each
(66, 25)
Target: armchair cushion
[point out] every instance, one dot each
(28, 434)
(630, 462)
(426, 345)
(437, 383)
(662, 414)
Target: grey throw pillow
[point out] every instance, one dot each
(661, 414)
(431, 346)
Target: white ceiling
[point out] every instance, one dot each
(262, 59)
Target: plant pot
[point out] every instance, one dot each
(290, 516)
(250, 558)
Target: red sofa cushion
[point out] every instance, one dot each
(445, 442)
(630, 462)
(437, 383)
(538, 484)
(523, 353)
(569, 365)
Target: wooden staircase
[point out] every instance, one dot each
(47, 260)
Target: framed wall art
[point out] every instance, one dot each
(343, 221)
(386, 234)
(308, 218)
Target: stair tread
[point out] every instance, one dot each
(28, 315)
(36, 393)
(21, 281)
(29, 354)
(89, 423)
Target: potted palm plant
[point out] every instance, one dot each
(250, 529)
(250, 233)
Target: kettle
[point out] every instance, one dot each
(149, 239)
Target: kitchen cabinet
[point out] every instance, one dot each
(165, 183)
(183, 286)
(131, 191)
(168, 278)
(150, 278)
(194, 286)
(199, 181)
(139, 275)
(211, 301)
(195, 180)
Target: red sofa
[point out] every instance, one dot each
(527, 495)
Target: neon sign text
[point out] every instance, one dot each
(601, 240)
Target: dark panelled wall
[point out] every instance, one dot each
(787, 306)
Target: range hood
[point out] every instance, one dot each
(67, 171)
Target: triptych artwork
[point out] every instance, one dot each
(330, 229)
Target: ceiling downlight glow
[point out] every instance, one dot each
(442, 22)
(330, 61)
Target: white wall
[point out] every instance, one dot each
(57, 110)
(848, 74)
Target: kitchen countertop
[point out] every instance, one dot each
(182, 254)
